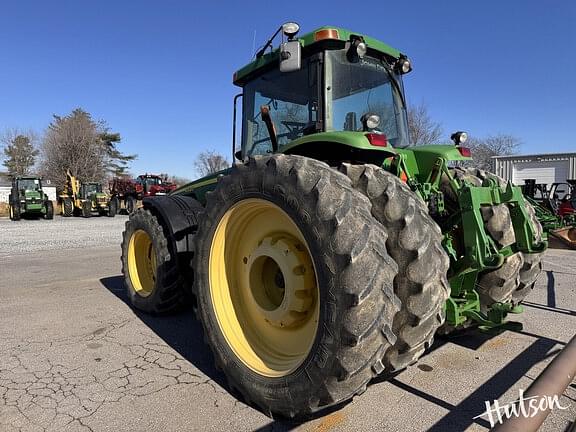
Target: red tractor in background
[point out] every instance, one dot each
(130, 192)
(565, 193)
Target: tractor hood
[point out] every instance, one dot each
(329, 141)
(418, 159)
(32, 195)
(100, 198)
(421, 159)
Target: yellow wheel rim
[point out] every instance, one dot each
(263, 287)
(11, 212)
(142, 263)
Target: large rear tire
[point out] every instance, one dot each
(415, 243)
(294, 285)
(14, 211)
(514, 280)
(67, 207)
(153, 281)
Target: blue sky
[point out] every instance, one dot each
(159, 72)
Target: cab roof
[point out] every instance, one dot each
(322, 36)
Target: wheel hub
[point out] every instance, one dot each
(142, 263)
(281, 278)
(263, 287)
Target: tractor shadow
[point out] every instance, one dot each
(180, 330)
(183, 332)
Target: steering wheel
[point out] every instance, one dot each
(295, 129)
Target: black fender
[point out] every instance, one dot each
(179, 214)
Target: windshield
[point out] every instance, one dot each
(364, 87)
(293, 101)
(152, 181)
(91, 188)
(29, 184)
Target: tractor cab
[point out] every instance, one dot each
(149, 182)
(27, 184)
(92, 192)
(88, 190)
(345, 84)
(29, 190)
(154, 185)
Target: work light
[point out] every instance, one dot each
(459, 137)
(290, 29)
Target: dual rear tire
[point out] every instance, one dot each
(295, 284)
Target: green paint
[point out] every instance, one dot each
(355, 140)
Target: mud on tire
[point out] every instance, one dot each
(354, 276)
(414, 242)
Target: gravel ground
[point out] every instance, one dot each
(60, 233)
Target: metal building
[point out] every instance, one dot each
(544, 168)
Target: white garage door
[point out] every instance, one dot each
(543, 171)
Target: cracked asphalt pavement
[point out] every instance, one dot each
(75, 357)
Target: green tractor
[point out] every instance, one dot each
(28, 199)
(100, 201)
(332, 251)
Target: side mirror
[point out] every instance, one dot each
(238, 155)
(290, 56)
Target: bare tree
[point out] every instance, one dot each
(84, 146)
(8, 135)
(19, 151)
(493, 145)
(179, 181)
(209, 162)
(421, 128)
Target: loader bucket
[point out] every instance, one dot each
(566, 235)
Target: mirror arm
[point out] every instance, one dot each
(265, 111)
(238, 96)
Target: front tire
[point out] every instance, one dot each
(87, 209)
(49, 210)
(294, 285)
(112, 207)
(515, 279)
